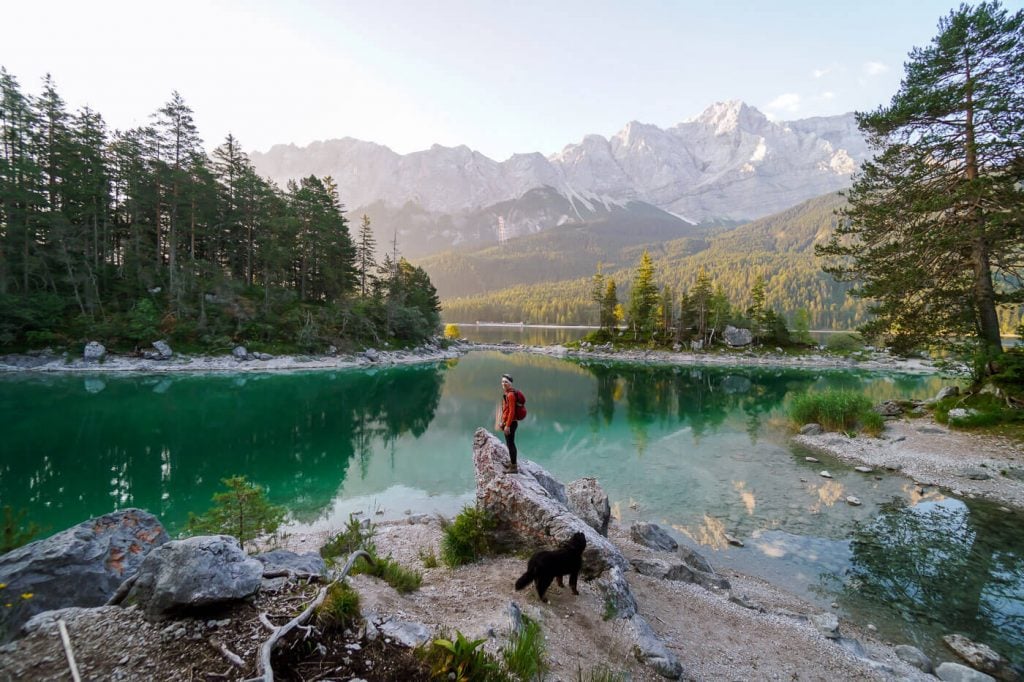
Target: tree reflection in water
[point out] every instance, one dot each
(943, 567)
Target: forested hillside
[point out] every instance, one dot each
(132, 236)
(551, 283)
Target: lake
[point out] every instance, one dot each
(704, 451)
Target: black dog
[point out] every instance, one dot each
(548, 565)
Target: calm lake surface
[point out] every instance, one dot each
(702, 451)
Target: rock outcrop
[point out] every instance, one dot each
(588, 500)
(193, 574)
(529, 516)
(81, 566)
(736, 337)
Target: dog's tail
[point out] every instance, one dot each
(524, 580)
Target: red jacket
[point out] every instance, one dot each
(508, 408)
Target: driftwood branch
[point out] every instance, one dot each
(280, 632)
(292, 575)
(67, 650)
(122, 591)
(227, 653)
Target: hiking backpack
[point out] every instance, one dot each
(520, 405)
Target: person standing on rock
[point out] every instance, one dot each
(508, 421)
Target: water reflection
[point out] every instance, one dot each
(165, 442)
(942, 564)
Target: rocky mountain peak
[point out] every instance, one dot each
(727, 117)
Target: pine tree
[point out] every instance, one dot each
(365, 248)
(643, 298)
(597, 292)
(934, 222)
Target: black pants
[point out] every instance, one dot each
(510, 441)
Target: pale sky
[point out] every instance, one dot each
(499, 77)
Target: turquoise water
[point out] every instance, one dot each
(703, 451)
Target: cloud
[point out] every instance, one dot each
(874, 68)
(827, 95)
(788, 102)
(820, 73)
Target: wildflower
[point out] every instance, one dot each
(3, 585)
(26, 595)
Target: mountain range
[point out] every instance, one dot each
(728, 165)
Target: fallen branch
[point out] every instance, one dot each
(67, 650)
(280, 632)
(122, 591)
(292, 575)
(233, 658)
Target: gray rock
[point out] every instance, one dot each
(976, 474)
(825, 474)
(515, 619)
(418, 518)
(240, 353)
(651, 651)
(697, 345)
(811, 430)
(853, 646)
(408, 634)
(889, 408)
(812, 460)
(163, 350)
(946, 392)
(981, 657)
(827, 624)
(588, 500)
(94, 352)
(651, 535)
(695, 559)
(529, 516)
(853, 501)
(80, 566)
(617, 595)
(283, 560)
(263, 356)
(915, 657)
(371, 355)
(736, 337)
(864, 469)
(185, 575)
(679, 571)
(954, 672)
(961, 413)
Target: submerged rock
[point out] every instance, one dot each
(982, 657)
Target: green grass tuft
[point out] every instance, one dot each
(467, 538)
(524, 654)
(340, 608)
(845, 411)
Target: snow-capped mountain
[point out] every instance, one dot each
(730, 162)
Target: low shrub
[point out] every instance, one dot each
(429, 558)
(461, 660)
(835, 411)
(340, 608)
(844, 342)
(403, 579)
(467, 538)
(984, 410)
(354, 536)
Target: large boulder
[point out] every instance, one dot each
(528, 515)
(982, 657)
(240, 353)
(681, 572)
(94, 352)
(163, 350)
(194, 574)
(588, 500)
(81, 566)
(736, 337)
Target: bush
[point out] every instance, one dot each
(467, 538)
(339, 609)
(452, 331)
(524, 654)
(835, 411)
(403, 579)
(242, 511)
(984, 409)
(844, 342)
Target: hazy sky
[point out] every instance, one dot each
(500, 77)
